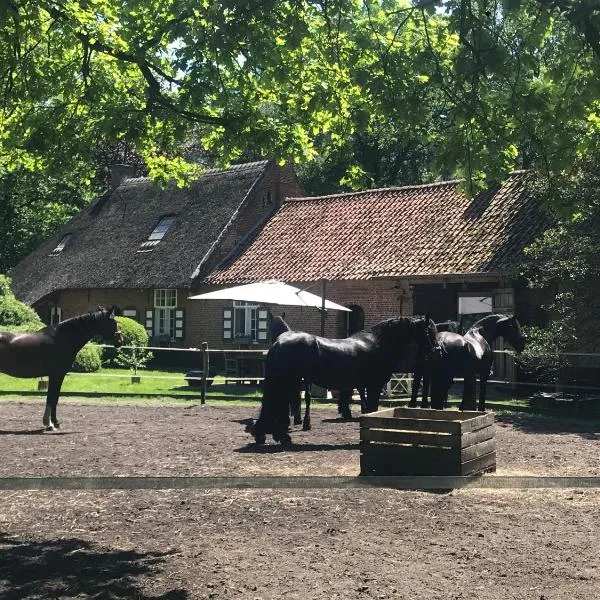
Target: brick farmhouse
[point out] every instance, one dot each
(382, 253)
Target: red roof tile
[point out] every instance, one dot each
(417, 230)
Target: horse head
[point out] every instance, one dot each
(510, 329)
(109, 328)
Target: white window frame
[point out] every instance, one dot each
(165, 298)
(55, 315)
(165, 303)
(250, 319)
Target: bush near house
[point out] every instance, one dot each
(88, 360)
(133, 334)
(15, 315)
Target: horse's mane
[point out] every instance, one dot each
(388, 324)
(89, 317)
(278, 326)
(488, 320)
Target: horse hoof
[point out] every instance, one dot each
(49, 428)
(413, 405)
(306, 427)
(283, 438)
(260, 439)
(425, 405)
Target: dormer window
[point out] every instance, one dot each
(157, 233)
(61, 245)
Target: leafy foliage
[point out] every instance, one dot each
(13, 313)
(133, 334)
(88, 360)
(566, 260)
(379, 90)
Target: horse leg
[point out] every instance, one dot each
(50, 419)
(344, 401)
(482, 392)
(468, 401)
(306, 426)
(417, 377)
(426, 385)
(362, 392)
(373, 394)
(296, 408)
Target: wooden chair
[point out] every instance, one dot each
(231, 368)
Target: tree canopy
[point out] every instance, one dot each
(466, 87)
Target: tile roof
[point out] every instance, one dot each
(105, 248)
(420, 230)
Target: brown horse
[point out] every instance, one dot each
(52, 350)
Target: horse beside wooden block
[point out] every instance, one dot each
(413, 441)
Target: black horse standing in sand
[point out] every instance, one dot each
(52, 350)
(363, 360)
(422, 368)
(471, 355)
(279, 326)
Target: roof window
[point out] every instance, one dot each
(61, 245)
(157, 233)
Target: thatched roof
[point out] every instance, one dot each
(424, 230)
(103, 250)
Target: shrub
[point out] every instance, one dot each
(88, 360)
(14, 313)
(541, 359)
(133, 334)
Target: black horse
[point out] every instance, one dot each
(363, 360)
(279, 326)
(471, 355)
(422, 368)
(52, 350)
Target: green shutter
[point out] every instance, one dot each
(263, 325)
(149, 323)
(228, 324)
(179, 324)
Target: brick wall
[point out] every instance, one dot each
(277, 184)
(379, 300)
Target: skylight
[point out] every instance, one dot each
(157, 233)
(61, 245)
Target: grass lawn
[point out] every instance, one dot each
(118, 381)
(170, 386)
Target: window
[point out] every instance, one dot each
(55, 315)
(472, 308)
(245, 322)
(61, 245)
(157, 233)
(165, 320)
(165, 298)
(131, 313)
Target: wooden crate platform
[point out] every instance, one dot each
(416, 441)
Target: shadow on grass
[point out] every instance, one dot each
(536, 423)
(73, 568)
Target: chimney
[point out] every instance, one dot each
(119, 173)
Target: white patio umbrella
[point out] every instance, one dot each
(271, 292)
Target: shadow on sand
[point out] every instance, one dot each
(73, 568)
(536, 423)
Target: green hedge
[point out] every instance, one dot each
(133, 334)
(88, 360)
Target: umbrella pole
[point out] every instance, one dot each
(323, 294)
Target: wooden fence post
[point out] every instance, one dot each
(205, 367)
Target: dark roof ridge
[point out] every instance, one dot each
(449, 183)
(403, 188)
(207, 173)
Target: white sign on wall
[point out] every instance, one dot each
(474, 305)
